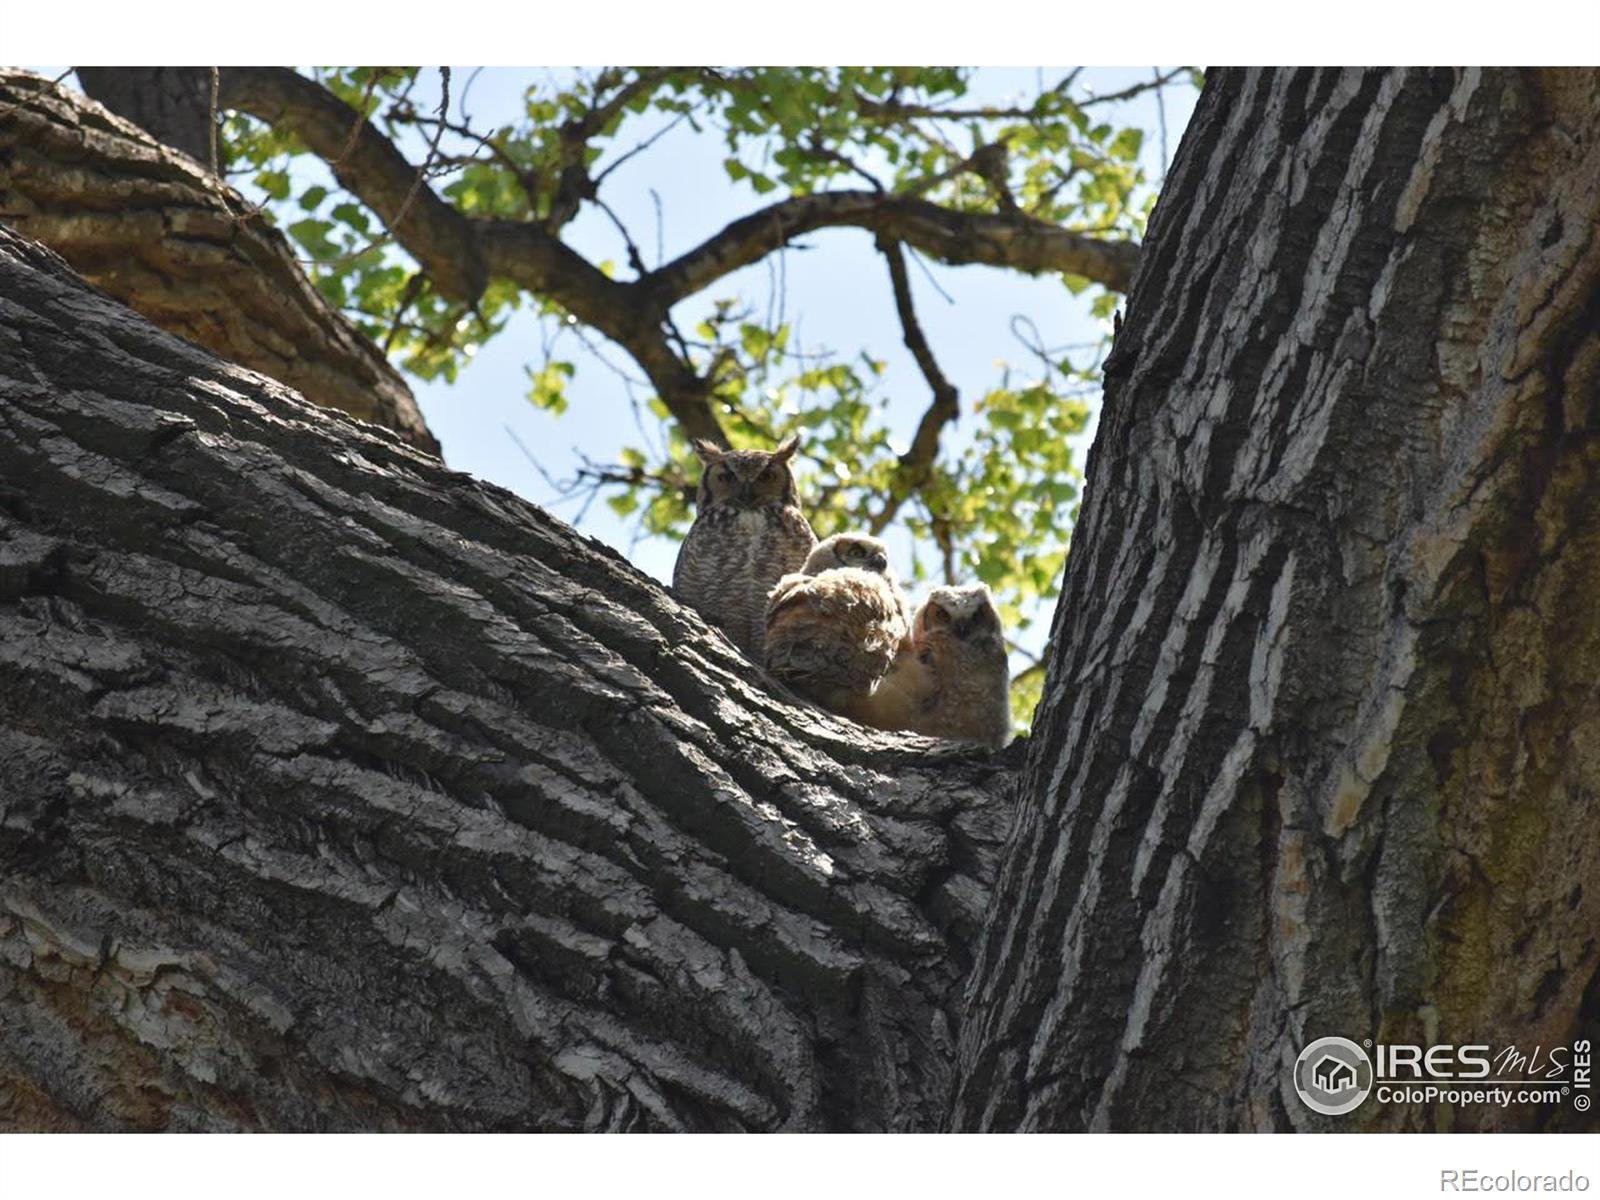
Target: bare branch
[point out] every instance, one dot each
(640, 148)
(575, 185)
(211, 126)
(895, 110)
(527, 180)
(845, 161)
(1128, 93)
(634, 319)
(596, 119)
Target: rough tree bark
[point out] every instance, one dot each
(340, 791)
(1319, 751)
(156, 230)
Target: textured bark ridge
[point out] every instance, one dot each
(338, 790)
(1320, 751)
(156, 230)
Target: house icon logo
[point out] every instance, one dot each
(1333, 1076)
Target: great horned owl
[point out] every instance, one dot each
(834, 629)
(958, 681)
(748, 532)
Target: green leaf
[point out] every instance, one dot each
(549, 386)
(274, 183)
(1127, 144)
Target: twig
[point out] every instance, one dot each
(211, 126)
(433, 149)
(1129, 93)
(360, 121)
(411, 194)
(1161, 121)
(526, 179)
(661, 255)
(635, 259)
(933, 280)
(642, 146)
(414, 287)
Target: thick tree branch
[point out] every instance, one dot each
(1317, 744)
(1013, 240)
(172, 104)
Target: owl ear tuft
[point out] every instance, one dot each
(787, 447)
(709, 452)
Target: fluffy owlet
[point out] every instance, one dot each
(834, 629)
(960, 680)
(748, 532)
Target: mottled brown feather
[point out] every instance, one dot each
(832, 636)
(960, 684)
(748, 533)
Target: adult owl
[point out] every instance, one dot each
(748, 532)
(834, 628)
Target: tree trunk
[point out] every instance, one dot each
(1319, 747)
(156, 230)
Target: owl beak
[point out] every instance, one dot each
(879, 563)
(963, 627)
